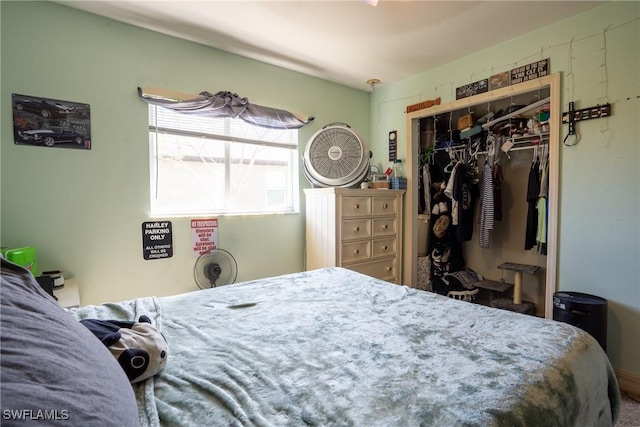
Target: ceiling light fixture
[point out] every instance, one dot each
(373, 83)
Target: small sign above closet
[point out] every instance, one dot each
(516, 75)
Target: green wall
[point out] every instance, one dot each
(599, 227)
(83, 210)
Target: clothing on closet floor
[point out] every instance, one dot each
(462, 279)
(487, 207)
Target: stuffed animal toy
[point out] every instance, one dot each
(139, 347)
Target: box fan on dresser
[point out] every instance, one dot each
(359, 229)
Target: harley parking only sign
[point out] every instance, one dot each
(204, 235)
(157, 240)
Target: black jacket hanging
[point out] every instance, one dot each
(533, 190)
(466, 193)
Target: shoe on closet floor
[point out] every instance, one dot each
(468, 296)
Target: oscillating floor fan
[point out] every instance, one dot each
(216, 267)
(336, 156)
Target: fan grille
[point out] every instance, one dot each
(336, 156)
(215, 268)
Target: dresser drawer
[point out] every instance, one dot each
(385, 205)
(383, 247)
(385, 227)
(385, 269)
(356, 251)
(356, 228)
(356, 206)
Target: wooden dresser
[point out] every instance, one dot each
(357, 229)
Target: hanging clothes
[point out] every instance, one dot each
(541, 235)
(445, 252)
(498, 179)
(487, 206)
(533, 190)
(543, 208)
(426, 186)
(465, 191)
(422, 198)
(448, 191)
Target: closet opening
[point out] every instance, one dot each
(477, 231)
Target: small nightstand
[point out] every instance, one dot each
(68, 295)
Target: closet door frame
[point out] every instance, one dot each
(412, 147)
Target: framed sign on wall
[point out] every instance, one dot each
(45, 122)
(393, 145)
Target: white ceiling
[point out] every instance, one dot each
(347, 42)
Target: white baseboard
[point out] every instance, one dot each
(628, 381)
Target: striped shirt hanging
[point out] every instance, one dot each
(486, 212)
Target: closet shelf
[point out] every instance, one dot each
(516, 113)
(518, 142)
(544, 136)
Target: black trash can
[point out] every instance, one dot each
(587, 312)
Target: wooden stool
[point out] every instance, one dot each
(517, 281)
(495, 288)
(525, 307)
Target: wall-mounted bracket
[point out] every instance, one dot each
(587, 113)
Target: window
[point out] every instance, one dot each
(212, 165)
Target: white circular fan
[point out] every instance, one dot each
(336, 156)
(216, 267)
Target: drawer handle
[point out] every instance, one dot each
(357, 251)
(389, 269)
(356, 229)
(384, 247)
(385, 227)
(356, 206)
(385, 206)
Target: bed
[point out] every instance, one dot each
(332, 347)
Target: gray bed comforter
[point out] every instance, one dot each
(332, 347)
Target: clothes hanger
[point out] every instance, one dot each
(473, 151)
(452, 160)
(427, 156)
(449, 148)
(491, 148)
(503, 140)
(545, 155)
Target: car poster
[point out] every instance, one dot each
(43, 122)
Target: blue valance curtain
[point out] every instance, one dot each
(223, 104)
